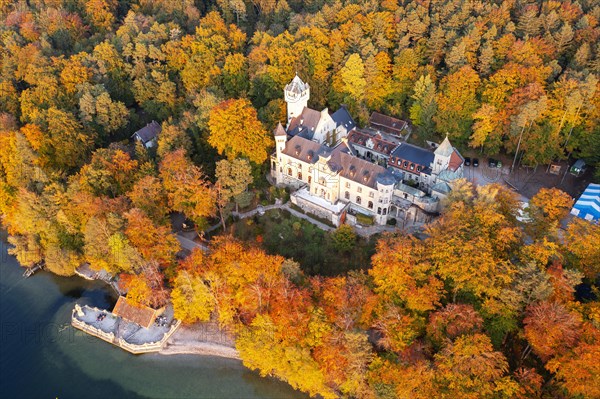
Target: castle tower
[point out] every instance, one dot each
(442, 156)
(296, 95)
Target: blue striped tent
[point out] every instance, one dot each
(588, 205)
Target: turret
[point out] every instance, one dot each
(280, 139)
(442, 156)
(296, 95)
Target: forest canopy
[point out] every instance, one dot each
(484, 306)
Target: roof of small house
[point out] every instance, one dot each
(387, 123)
(342, 117)
(304, 124)
(139, 314)
(412, 153)
(148, 132)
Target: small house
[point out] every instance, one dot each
(148, 134)
(138, 314)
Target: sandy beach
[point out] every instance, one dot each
(201, 339)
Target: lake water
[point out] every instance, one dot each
(42, 356)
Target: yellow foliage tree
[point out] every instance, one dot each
(236, 131)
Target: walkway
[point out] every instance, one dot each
(262, 209)
(190, 244)
(365, 232)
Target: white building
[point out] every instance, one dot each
(337, 181)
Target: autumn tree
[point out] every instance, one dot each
(235, 131)
(470, 368)
(424, 105)
(344, 238)
(546, 209)
(452, 321)
(551, 329)
(192, 300)
(186, 186)
(581, 247)
(578, 371)
(233, 178)
(151, 241)
(149, 195)
(403, 272)
(472, 241)
(456, 103)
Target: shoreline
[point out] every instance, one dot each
(200, 349)
(194, 340)
(185, 339)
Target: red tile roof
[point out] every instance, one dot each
(142, 315)
(455, 161)
(387, 123)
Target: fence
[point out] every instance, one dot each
(148, 346)
(111, 338)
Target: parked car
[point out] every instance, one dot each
(467, 161)
(494, 163)
(475, 162)
(578, 168)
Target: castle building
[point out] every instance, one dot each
(342, 173)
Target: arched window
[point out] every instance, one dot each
(370, 204)
(299, 175)
(384, 211)
(347, 195)
(379, 211)
(274, 166)
(289, 171)
(358, 200)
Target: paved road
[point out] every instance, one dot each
(190, 244)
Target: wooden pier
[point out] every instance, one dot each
(30, 271)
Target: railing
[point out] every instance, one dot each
(148, 346)
(110, 337)
(82, 325)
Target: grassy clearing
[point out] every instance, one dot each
(278, 232)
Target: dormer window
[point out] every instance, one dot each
(298, 149)
(365, 176)
(405, 164)
(412, 166)
(418, 168)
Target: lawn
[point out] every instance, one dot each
(278, 232)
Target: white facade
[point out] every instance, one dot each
(333, 186)
(296, 95)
